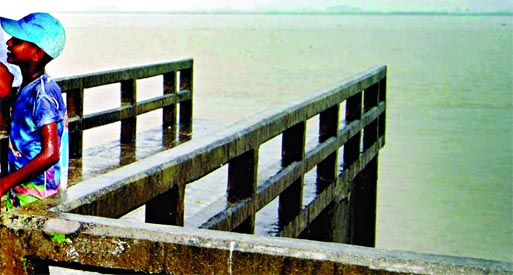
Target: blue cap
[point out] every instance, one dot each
(39, 28)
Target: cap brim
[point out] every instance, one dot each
(13, 28)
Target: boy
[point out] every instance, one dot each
(38, 112)
(10, 75)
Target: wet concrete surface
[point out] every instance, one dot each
(112, 155)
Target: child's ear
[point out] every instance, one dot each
(38, 55)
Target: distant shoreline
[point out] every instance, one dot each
(221, 12)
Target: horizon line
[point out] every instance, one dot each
(299, 12)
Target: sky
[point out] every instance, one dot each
(25, 6)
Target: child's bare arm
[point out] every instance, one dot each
(49, 156)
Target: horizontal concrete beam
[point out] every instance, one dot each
(100, 242)
(114, 76)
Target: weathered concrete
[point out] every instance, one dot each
(113, 155)
(101, 242)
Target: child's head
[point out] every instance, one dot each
(41, 29)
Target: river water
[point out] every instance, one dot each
(445, 174)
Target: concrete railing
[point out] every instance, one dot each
(177, 84)
(79, 229)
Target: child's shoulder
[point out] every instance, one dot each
(41, 87)
(45, 82)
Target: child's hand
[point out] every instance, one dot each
(15, 152)
(2, 189)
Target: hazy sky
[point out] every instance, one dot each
(25, 6)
